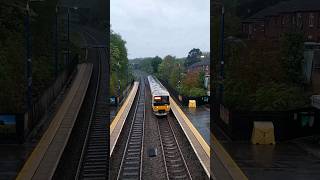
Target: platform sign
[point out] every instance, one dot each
(12, 128)
(113, 101)
(8, 125)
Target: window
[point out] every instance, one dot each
(311, 20)
(299, 20)
(250, 28)
(318, 20)
(161, 100)
(294, 20)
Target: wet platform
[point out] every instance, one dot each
(263, 162)
(295, 159)
(200, 118)
(199, 145)
(222, 163)
(44, 159)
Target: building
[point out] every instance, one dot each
(203, 65)
(286, 16)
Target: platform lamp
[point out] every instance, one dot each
(68, 34)
(119, 83)
(29, 55)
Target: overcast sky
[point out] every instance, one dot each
(162, 27)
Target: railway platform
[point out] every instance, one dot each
(198, 121)
(42, 162)
(199, 145)
(121, 116)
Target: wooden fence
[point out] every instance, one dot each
(184, 100)
(287, 124)
(42, 105)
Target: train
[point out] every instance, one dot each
(160, 97)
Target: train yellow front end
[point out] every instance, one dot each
(160, 105)
(160, 97)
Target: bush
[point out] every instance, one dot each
(279, 97)
(192, 91)
(237, 94)
(196, 92)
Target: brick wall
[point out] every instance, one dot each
(273, 26)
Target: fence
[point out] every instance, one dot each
(114, 101)
(42, 105)
(287, 124)
(184, 100)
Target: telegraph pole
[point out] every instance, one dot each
(28, 59)
(68, 56)
(56, 45)
(221, 54)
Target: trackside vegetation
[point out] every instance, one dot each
(175, 72)
(121, 73)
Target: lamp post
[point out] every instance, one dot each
(119, 85)
(68, 55)
(68, 34)
(29, 55)
(221, 55)
(56, 45)
(28, 59)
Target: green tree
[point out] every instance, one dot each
(194, 56)
(277, 96)
(155, 63)
(201, 79)
(165, 67)
(119, 63)
(292, 56)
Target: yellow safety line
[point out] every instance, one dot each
(123, 107)
(227, 160)
(195, 132)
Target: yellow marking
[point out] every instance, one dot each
(226, 160)
(123, 107)
(195, 132)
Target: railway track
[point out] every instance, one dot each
(93, 163)
(131, 162)
(175, 164)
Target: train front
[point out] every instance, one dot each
(161, 105)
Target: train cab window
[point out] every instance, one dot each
(160, 100)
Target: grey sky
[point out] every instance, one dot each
(162, 27)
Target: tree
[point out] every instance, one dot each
(155, 63)
(194, 56)
(119, 63)
(166, 67)
(292, 56)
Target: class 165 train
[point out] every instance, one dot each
(160, 97)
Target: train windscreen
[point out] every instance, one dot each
(161, 100)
